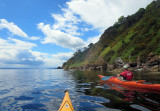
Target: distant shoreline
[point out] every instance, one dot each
(28, 68)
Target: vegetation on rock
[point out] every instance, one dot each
(132, 39)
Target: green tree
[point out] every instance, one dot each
(121, 20)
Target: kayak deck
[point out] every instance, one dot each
(66, 103)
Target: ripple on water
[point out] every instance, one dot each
(37, 106)
(24, 98)
(86, 106)
(36, 92)
(141, 108)
(94, 99)
(5, 91)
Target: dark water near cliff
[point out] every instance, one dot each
(42, 90)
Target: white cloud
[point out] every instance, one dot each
(19, 44)
(64, 31)
(63, 56)
(66, 22)
(60, 38)
(91, 11)
(15, 53)
(53, 60)
(58, 59)
(103, 13)
(34, 38)
(93, 39)
(87, 29)
(12, 28)
(15, 44)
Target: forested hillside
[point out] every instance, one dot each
(134, 39)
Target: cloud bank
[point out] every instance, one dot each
(19, 54)
(16, 53)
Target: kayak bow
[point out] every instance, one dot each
(66, 103)
(137, 84)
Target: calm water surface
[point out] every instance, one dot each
(42, 90)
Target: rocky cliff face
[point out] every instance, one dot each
(134, 40)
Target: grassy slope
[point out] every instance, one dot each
(135, 38)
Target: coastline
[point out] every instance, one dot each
(116, 70)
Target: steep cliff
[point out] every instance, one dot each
(134, 39)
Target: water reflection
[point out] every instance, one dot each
(42, 90)
(32, 89)
(118, 97)
(146, 99)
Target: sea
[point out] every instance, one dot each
(43, 90)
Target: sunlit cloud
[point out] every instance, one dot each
(19, 54)
(63, 56)
(104, 13)
(60, 38)
(66, 22)
(14, 29)
(34, 38)
(93, 39)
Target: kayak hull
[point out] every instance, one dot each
(136, 84)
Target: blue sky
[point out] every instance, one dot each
(46, 33)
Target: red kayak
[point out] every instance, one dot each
(137, 84)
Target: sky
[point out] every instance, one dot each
(46, 33)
